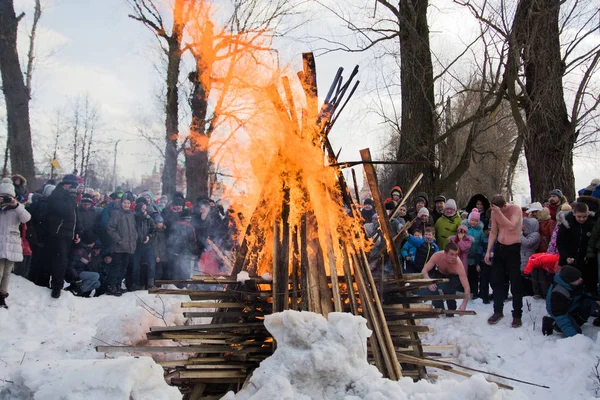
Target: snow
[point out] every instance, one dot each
(243, 277)
(48, 345)
(267, 277)
(326, 359)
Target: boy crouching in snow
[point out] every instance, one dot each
(569, 307)
(82, 279)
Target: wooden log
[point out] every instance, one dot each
(164, 349)
(199, 367)
(211, 304)
(349, 280)
(228, 326)
(294, 276)
(252, 314)
(211, 374)
(384, 222)
(335, 286)
(305, 276)
(217, 295)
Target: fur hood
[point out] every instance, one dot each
(544, 215)
(21, 177)
(563, 218)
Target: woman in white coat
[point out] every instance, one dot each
(12, 214)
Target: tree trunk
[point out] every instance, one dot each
(16, 95)
(550, 137)
(169, 174)
(418, 128)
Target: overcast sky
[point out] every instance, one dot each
(92, 47)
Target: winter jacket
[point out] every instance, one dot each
(170, 219)
(182, 240)
(477, 251)
(367, 215)
(424, 250)
(484, 215)
(144, 226)
(446, 227)
(464, 247)
(547, 226)
(420, 226)
(79, 260)
(213, 228)
(86, 220)
(554, 210)
(592, 202)
(24, 242)
(61, 219)
(102, 223)
(122, 231)
(561, 301)
(159, 244)
(573, 238)
(412, 210)
(20, 190)
(11, 247)
(408, 250)
(530, 240)
(594, 243)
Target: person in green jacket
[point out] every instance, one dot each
(447, 224)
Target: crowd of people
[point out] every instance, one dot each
(66, 234)
(549, 251)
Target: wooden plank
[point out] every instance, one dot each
(228, 326)
(198, 367)
(163, 349)
(250, 314)
(211, 304)
(384, 221)
(212, 294)
(211, 374)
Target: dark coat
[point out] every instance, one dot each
(573, 239)
(213, 228)
(484, 216)
(170, 218)
(79, 260)
(561, 302)
(144, 226)
(159, 244)
(420, 226)
(182, 240)
(594, 242)
(122, 231)
(424, 251)
(86, 220)
(61, 218)
(39, 211)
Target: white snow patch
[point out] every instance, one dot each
(48, 345)
(327, 359)
(267, 277)
(243, 277)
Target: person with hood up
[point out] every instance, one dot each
(475, 230)
(123, 236)
(530, 240)
(396, 195)
(438, 209)
(12, 214)
(464, 242)
(107, 212)
(145, 227)
(448, 224)
(572, 242)
(482, 204)
(172, 212)
(19, 182)
(547, 226)
(567, 303)
(422, 222)
(159, 246)
(61, 222)
(151, 207)
(555, 200)
(368, 210)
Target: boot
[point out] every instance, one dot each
(547, 325)
(493, 320)
(135, 288)
(3, 300)
(517, 322)
(150, 284)
(113, 290)
(56, 292)
(74, 288)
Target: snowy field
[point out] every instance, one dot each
(47, 352)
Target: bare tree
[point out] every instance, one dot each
(84, 124)
(16, 90)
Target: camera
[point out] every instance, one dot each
(6, 199)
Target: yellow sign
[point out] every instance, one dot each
(55, 164)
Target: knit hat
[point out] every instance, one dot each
(389, 204)
(557, 192)
(48, 189)
(569, 274)
(439, 198)
(158, 218)
(475, 215)
(7, 187)
(464, 215)
(70, 179)
(127, 196)
(462, 228)
(87, 198)
(451, 204)
(420, 200)
(141, 200)
(185, 214)
(369, 201)
(178, 201)
(537, 206)
(423, 211)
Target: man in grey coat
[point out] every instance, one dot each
(123, 236)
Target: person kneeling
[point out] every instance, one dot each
(569, 307)
(82, 280)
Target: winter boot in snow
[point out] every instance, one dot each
(151, 284)
(135, 288)
(113, 290)
(596, 321)
(493, 320)
(517, 322)
(74, 288)
(56, 292)
(3, 297)
(547, 325)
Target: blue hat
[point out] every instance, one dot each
(158, 218)
(70, 179)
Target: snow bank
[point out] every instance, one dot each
(326, 359)
(44, 341)
(243, 277)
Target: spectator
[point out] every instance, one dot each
(368, 210)
(534, 209)
(447, 225)
(588, 190)
(593, 249)
(12, 214)
(144, 252)
(408, 253)
(422, 222)
(464, 243)
(171, 213)
(425, 249)
(61, 222)
(564, 209)
(182, 246)
(39, 272)
(554, 202)
(105, 216)
(482, 204)
(123, 235)
(572, 243)
(485, 270)
(420, 201)
(438, 210)
(22, 268)
(475, 230)
(151, 207)
(396, 195)
(83, 280)
(86, 215)
(530, 240)
(569, 307)
(20, 183)
(547, 226)
(159, 246)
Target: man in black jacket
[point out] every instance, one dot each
(87, 216)
(572, 243)
(61, 222)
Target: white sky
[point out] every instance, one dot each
(92, 47)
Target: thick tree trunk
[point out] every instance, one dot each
(16, 95)
(169, 174)
(550, 137)
(418, 128)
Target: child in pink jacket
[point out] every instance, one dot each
(464, 242)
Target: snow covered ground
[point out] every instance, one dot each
(47, 352)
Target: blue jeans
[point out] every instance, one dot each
(89, 281)
(143, 254)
